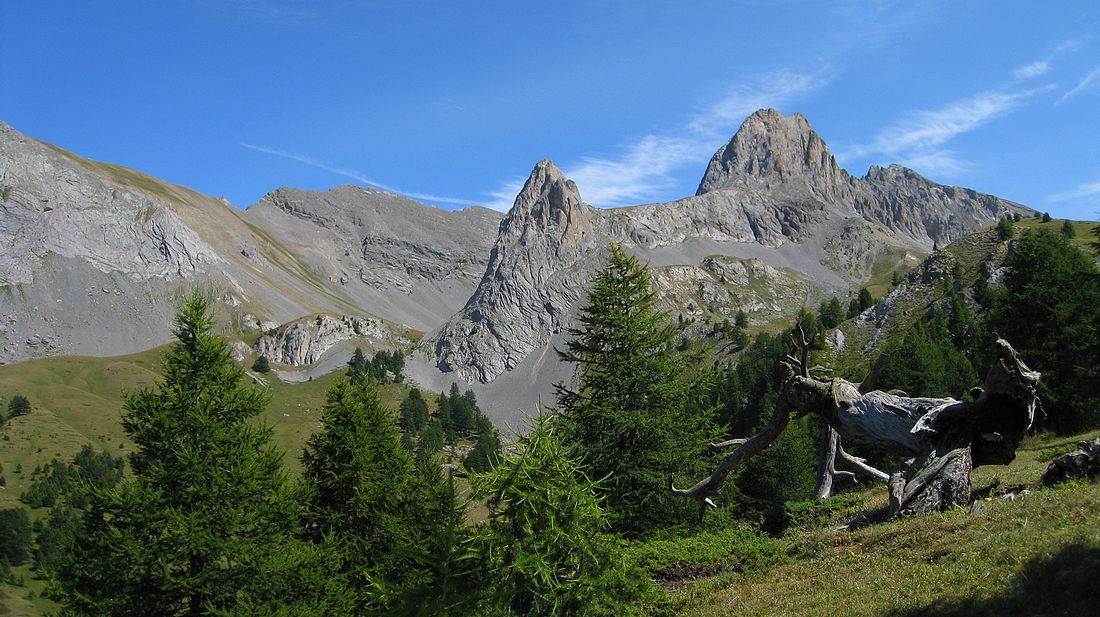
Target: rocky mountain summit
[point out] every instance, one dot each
(773, 194)
(95, 256)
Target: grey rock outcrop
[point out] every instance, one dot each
(406, 260)
(773, 194)
(532, 279)
(773, 151)
(306, 340)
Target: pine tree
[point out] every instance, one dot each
(18, 406)
(544, 552)
(740, 319)
(485, 452)
(206, 507)
(414, 412)
(261, 365)
(358, 481)
(831, 313)
(447, 578)
(865, 300)
(357, 365)
(627, 413)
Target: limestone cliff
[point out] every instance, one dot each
(305, 341)
(773, 195)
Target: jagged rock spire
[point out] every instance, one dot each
(772, 149)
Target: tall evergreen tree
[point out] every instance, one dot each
(1050, 311)
(206, 506)
(627, 413)
(414, 412)
(361, 493)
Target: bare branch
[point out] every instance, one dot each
(718, 447)
(751, 447)
(861, 465)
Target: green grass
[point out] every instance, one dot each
(1038, 554)
(77, 400)
(892, 260)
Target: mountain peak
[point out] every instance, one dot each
(548, 196)
(771, 149)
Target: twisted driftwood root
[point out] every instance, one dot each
(942, 439)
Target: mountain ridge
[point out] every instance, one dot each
(774, 185)
(492, 291)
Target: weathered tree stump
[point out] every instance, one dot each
(1084, 462)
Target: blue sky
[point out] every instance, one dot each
(454, 102)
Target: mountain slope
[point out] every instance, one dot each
(405, 260)
(94, 256)
(773, 194)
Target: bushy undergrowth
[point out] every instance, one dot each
(735, 547)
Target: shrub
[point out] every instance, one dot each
(737, 547)
(261, 365)
(18, 406)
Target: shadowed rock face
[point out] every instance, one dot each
(774, 193)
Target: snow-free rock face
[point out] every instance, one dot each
(773, 194)
(94, 257)
(533, 278)
(55, 204)
(409, 261)
(304, 341)
(770, 150)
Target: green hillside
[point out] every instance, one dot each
(1023, 550)
(78, 400)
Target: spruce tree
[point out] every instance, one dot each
(627, 414)
(360, 489)
(414, 412)
(206, 508)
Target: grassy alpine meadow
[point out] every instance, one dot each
(1022, 549)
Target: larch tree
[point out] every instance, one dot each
(206, 508)
(364, 493)
(627, 414)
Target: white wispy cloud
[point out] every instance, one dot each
(355, 175)
(1086, 83)
(503, 198)
(1087, 189)
(1032, 70)
(643, 170)
(941, 162)
(774, 90)
(917, 140)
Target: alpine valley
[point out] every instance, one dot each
(94, 258)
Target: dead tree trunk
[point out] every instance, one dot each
(941, 439)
